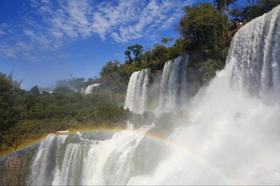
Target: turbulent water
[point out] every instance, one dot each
(69, 159)
(90, 88)
(173, 85)
(172, 90)
(255, 55)
(231, 134)
(136, 96)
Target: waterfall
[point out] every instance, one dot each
(136, 95)
(90, 88)
(173, 85)
(45, 160)
(233, 134)
(254, 55)
(69, 159)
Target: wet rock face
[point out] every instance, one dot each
(14, 168)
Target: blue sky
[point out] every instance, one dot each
(42, 41)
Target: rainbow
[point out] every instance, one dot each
(153, 137)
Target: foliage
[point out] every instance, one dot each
(267, 5)
(35, 91)
(63, 91)
(165, 40)
(223, 4)
(206, 30)
(136, 50)
(209, 69)
(114, 77)
(76, 84)
(205, 27)
(63, 107)
(254, 9)
(8, 112)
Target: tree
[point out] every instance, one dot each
(113, 77)
(204, 26)
(251, 3)
(223, 4)
(165, 40)
(15, 83)
(128, 58)
(178, 48)
(63, 91)
(75, 84)
(267, 5)
(136, 50)
(8, 114)
(254, 9)
(35, 91)
(160, 54)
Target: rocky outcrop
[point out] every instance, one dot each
(15, 167)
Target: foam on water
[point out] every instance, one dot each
(231, 136)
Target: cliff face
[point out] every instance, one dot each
(14, 168)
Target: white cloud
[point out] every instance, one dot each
(128, 20)
(122, 20)
(7, 52)
(53, 23)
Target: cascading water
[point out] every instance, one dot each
(173, 88)
(173, 85)
(255, 55)
(136, 95)
(45, 160)
(231, 135)
(72, 160)
(90, 88)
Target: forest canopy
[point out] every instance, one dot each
(206, 31)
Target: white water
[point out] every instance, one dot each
(136, 95)
(45, 160)
(90, 88)
(72, 160)
(173, 85)
(232, 135)
(173, 88)
(255, 55)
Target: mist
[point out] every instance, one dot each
(228, 133)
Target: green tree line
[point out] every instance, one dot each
(206, 30)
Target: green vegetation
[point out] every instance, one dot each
(8, 111)
(206, 32)
(254, 9)
(25, 114)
